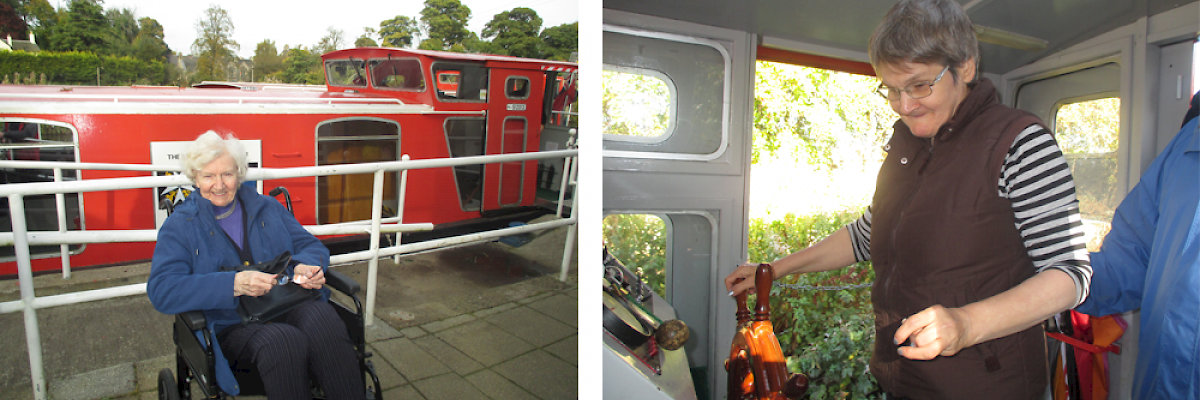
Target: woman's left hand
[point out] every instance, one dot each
(309, 276)
(932, 332)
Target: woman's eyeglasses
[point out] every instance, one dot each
(916, 90)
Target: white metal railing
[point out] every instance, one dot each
(21, 238)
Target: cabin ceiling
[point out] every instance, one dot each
(847, 24)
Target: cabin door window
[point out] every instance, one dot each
(345, 198)
(26, 140)
(464, 138)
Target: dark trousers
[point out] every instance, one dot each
(308, 341)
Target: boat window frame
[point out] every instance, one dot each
(371, 74)
(82, 213)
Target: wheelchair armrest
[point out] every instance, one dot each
(341, 282)
(193, 319)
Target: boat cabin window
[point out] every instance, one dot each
(345, 198)
(1087, 130)
(397, 74)
(471, 83)
(638, 104)
(348, 73)
(38, 141)
(516, 88)
(464, 138)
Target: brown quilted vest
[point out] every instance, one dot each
(942, 235)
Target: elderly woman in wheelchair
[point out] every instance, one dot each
(196, 267)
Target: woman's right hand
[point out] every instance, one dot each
(252, 283)
(745, 273)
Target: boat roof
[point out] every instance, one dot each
(507, 61)
(208, 97)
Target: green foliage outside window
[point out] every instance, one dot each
(635, 104)
(640, 242)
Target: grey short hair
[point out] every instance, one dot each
(927, 32)
(210, 146)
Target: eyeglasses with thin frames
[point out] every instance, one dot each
(916, 90)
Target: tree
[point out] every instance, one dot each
(214, 44)
(560, 41)
(267, 60)
(446, 21)
(42, 19)
(82, 28)
(516, 32)
(303, 67)
(124, 30)
(398, 32)
(365, 40)
(11, 23)
(333, 40)
(149, 44)
(797, 113)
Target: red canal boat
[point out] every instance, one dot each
(377, 105)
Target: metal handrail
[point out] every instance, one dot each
(21, 238)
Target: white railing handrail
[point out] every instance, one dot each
(20, 238)
(231, 99)
(255, 174)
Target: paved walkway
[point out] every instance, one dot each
(480, 322)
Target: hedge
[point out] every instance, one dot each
(79, 68)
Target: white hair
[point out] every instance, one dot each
(210, 146)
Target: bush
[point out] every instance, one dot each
(639, 241)
(827, 335)
(79, 68)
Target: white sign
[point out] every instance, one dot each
(171, 153)
(515, 107)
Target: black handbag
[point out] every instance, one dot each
(281, 299)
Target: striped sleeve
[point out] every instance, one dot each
(860, 236)
(1036, 178)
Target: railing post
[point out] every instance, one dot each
(61, 203)
(33, 339)
(568, 247)
(568, 170)
(373, 263)
(400, 204)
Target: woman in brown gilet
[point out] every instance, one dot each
(974, 231)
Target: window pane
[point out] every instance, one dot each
(29, 141)
(345, 73)
(1088, 132)
(402, 74)
(640, 242)
(464, 136)
(516, 88)
(471, 84)
(635, 104)
(343, 198)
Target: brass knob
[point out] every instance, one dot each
(672, 335)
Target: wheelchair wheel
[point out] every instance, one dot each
(167, 387)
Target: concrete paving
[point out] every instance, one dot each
(487, 321)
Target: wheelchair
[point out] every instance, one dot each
(195, 361)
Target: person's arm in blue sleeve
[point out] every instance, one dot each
(1119, 268)
(173, 288)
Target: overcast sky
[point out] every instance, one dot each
(304, 22)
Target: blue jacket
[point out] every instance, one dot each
(1151, 260)
(186, 275)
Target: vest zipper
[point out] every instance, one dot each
(895, 230)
